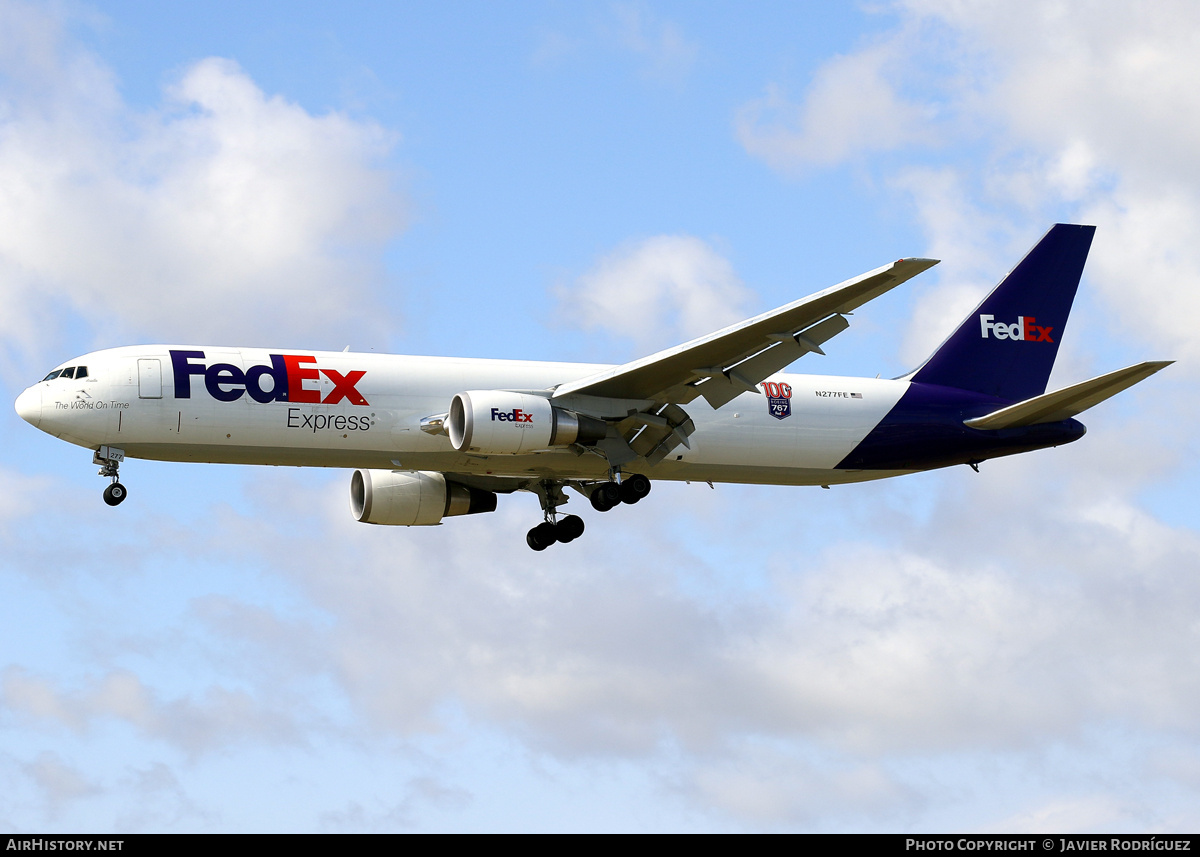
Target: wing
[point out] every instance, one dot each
(720, 366)
(725, 364)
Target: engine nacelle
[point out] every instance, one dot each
(495, 422)
(413, 498)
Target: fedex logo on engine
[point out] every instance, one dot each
(1023, 330)
(516, 415)
(287, 373)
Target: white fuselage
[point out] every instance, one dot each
(129, 400)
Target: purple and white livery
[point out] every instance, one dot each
(435, 437)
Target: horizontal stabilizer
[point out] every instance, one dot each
(1065, 403)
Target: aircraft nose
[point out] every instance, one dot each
(29, 405)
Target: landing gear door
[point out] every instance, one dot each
(149, 378)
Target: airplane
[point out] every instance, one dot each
(435, 437)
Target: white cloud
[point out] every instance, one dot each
(158, 801)
(767, 783)
(1147, 266)
(663, 53)
(15, 491)
(796, 702)
(1074, 815)
(657, 292)
(875, 649)
(37, 698)
(851, 108)
(963, 236)
(224, 214)
(668, 54)
(417, 793)
(1102, 104)
(58, 782)
(854, 659)
(1079, 106)
(221, 716)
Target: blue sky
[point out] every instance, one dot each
(229, 650)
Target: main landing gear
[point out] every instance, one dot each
(553, 529)
(604, 496)
(566, 530)
(109, 459)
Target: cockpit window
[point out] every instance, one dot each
(70, 372)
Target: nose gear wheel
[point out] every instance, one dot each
(114, 494)
(109, 459)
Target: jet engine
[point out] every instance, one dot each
(408, 499)
(496, 422)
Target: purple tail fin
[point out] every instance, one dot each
(1006, 347)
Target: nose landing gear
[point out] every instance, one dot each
(114, 494)
(109, 459)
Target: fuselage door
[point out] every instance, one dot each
(149, 378)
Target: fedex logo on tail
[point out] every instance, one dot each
(1022, 330)
(287, 373)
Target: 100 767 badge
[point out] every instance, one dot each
(779, 399)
